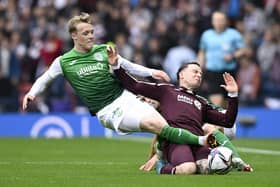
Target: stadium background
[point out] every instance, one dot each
(34, 32)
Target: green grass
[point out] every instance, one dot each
(115, 162)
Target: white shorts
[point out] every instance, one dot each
(125, 113)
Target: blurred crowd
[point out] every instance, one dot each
(153, 33)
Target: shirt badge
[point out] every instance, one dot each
(197, 104)
(98, 56)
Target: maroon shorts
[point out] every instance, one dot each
(179, 153)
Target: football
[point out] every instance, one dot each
(220, 160)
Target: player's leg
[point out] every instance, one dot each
(179, 160)
(223, 139)
(202, 166)
(186, 168)
(200, 154)
(155, 123)
(140, 116)
(237, 161)
(229, 132)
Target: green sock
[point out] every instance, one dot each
(224, 141)
(159, 139)
(177, 135)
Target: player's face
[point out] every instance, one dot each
(191, 77)
(83, 37)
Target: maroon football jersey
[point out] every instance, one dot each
(180, 107)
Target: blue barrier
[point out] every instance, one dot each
(267, 123)
(53, 126)
(77, 125)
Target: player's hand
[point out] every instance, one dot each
(230, 84)
(150, 164)
(152, 102)
(26, 100)
(112, 53)
(160, 75)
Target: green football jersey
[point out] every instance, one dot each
(91, 77)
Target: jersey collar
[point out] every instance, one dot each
(186, 90)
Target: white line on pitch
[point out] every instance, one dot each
(4, 163)
(241, 149)
(73, 163)
(63, 163)
(258, 151)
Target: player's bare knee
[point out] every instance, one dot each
(208, 128)
(152, 123)
(186, 168)
(202, 166)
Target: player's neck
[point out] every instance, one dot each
(189, 90)
(81, 50)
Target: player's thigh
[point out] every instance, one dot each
(200, 152)
(202, 166)
(208, 128)
(186, 168)
(177, 154)
(127, 113)
(140, 116)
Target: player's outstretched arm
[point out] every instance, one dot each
(153, 158)
(27, 99)
(160, 75)
(41, 83)
(112, 53)
(116, 61)
(150, 164)
(230, 84)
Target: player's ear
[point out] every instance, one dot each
(181, 75)
(74, 35)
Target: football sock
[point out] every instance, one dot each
(168, 169)
(224, 141)
(202, 140)
(177, 135)
(159, 140)
(159, 150)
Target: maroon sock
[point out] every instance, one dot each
(168, 169)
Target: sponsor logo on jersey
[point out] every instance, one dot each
(185, 99)
(90, 69)
(197, 104)
(98, 56)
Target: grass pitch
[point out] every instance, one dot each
(115, 162)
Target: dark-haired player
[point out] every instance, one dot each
(182, 108)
